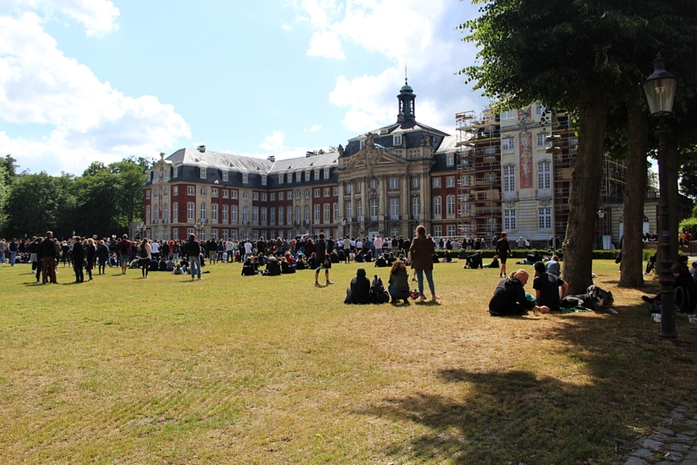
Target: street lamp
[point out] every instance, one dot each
(660, 93)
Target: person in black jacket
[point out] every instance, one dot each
(47, 254)
(193, 251)
(509, 297)
(359, 292)
(78, 260)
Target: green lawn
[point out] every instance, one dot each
(266, 370)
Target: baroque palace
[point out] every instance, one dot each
(509, 171)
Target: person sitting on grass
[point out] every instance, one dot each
(380, 261)
(532, 258)
(446, 257)
(248, 268)
(286, 267)
(178, 269)
(553, 266)
(494, 263)
(399, 282)
(474, 260)
(301, 263)
(359, 291)
(272, 267)
(548, 287)
(684, 287)
(509, 297)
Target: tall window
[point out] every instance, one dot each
(544, 175)
(326, 214)
(450, 181)
(545, 218)
(436, 183)
(245, 178)
(450, 160)
(233, 213)
(373, 205)
(157, 212)
(335, 207)
(214, 212)
(297, 213)
(245, 214)
(436, 206)
(190, 211)
(509, 220)
(451, 204)
(263, 215)
(509, 178)
(147, 214)
(541, 139)
(394, 208)
(226, 216)
(437, 231)
(394, 183)
(415, 183)
(348, 210)
(255, 215)
(359, 208)
(415, 207)
(225, 176)
(203, 173)
(175, 212)
(307, 213)
(273, 214)
(203, 211)
(280, 215)
(316, 215)
(289, 216)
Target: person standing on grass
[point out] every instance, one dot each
(90, 256)
(322, 261)
(47, 255)
(124, 248)
(193, 251)
(78, 260)
(503, 250)
(421, 253)
(144, 254)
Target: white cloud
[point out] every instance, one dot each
(273, 142)
(96, 16)
(325, 44)
(412, 32)
(91, 120)
(287, 27)
(315, 128)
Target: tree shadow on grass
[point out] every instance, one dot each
(621, 381)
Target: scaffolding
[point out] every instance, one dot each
(479, 174)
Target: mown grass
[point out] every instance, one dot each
(259, 369)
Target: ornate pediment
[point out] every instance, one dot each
(370, 156)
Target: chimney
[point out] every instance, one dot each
(201, 148)
(271, 158)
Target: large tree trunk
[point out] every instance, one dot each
(634, 195)
(585, 185)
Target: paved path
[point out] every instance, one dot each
(673, 443)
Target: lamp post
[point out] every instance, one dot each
(601, 217)
(343, 227)
(660, 93)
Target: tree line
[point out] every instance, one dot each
(103, 201)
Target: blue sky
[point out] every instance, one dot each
(99, 80)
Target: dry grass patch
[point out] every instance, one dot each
(274, 370)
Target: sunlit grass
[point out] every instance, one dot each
(259, 369)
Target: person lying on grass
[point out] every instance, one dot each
(509, 297)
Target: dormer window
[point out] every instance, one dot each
(225, 176)
(280, 178)
(203, 173)
(263, 180)
(245, 178)
(316, 175)
(397, 140)
(326, 173)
